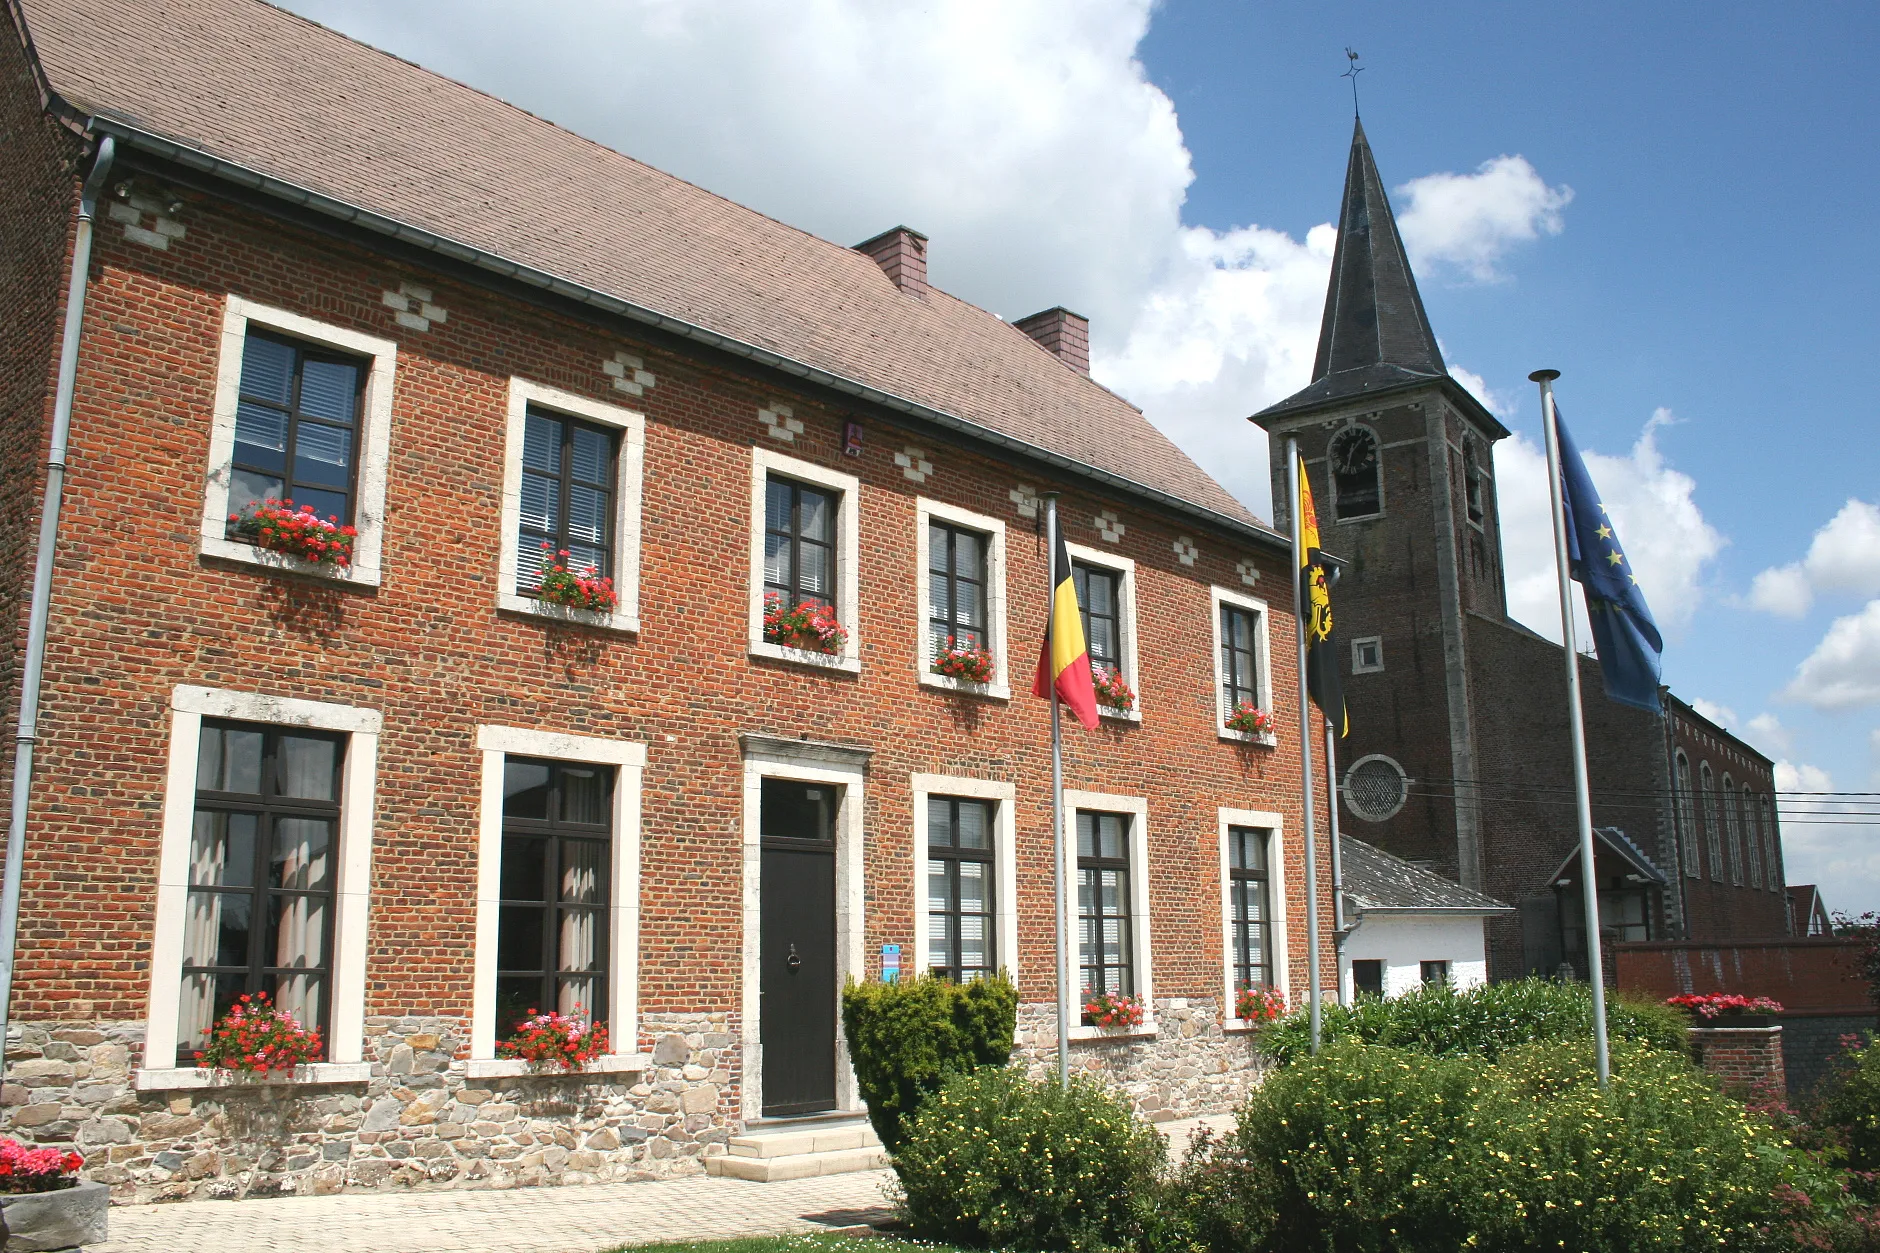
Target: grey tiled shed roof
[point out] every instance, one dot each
(1377, 882)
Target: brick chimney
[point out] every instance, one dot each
(902, 255)
(1061, 333)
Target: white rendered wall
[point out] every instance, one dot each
(1403, 944)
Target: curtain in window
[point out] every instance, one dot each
(578, 949)
(202, 928)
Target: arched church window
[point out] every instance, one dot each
(1713, 821)
(1687, 818)
(1752, 836)
(1357, 490)
(1472, 480)
(1731, 825)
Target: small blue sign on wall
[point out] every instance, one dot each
(891, 963)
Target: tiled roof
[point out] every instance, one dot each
(1377, 881)
(272, 93)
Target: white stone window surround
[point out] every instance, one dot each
(1004, 863)
(1137, 807)
(1274, 825)
(628, 757)
(1373, 644)
(994, 532)
(1263, 664)
(189, 705)
(629, 479)
(765, 463)
(808, 762)
(1126, 620)
(374, 447)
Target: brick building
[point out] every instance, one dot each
(1458, 756)
(411, 798)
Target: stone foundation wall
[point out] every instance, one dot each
(417, 1122)
(1190, 1066)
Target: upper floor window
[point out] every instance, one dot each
(1732, 825)
(1713, 821)
(1357, 486)
(568, 489)
(804, 528)
(1687, 818)
(1100, 596)
(1105, 946)
(262, 864)
(960, 912)
(1240, 670)
(799, 543)
(296, 427)
(551, 937)
(956, 589)
(1471, 480)
(1250, 907)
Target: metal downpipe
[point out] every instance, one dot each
(27, 734)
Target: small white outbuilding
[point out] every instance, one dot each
(1405, 926)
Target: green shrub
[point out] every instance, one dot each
(1365, 1149)
(1483, 1021)
(995, 1159)
(905, 1038)
(1848, 1110)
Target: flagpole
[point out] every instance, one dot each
(1059, 848)
(1583, 804)
(1338, 863)
(1301, 613)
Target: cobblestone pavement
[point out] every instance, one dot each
(576, 1219)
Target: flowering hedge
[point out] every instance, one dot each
(280, 528)
(1249, 719)
(36, 1170)
(811, 625)
(257, 1036)
(556, 1041)
(1112, 691)
(561, 585)
(1259, 1004)
(974, 665)
(1715, 1003)
(1112, 1009)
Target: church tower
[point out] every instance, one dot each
(1400, 460)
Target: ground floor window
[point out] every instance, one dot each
(261, 867)
(1435, 972)
(1249, 905)
(960, 915)
(1367, 977)
(1105, 954)
(551, 939)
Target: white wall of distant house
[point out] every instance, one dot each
(1403, 944)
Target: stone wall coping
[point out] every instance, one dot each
(1146, 1031)
(516, 1068)
(1712, 1032)
(180, 1078)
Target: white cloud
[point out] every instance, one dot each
(1766, 732)
(1498, 403)
(1844, 670)
(1842, 858)
(1653, 507)
(1844, 556)
(1470, 221)
(1722, 715)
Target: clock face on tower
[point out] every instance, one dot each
(1354, 452)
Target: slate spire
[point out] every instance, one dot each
(1373, 314)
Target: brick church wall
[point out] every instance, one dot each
(137, 611)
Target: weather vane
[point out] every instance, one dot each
(1352, 74)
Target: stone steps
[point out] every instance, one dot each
(800, 1150)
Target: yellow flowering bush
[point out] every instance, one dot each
(998, 1160)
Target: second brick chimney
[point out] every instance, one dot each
(902, 255)
(1063, 334)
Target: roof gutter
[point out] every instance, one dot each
(467, 254)
(26, 737)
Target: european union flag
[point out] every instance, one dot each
(1624, 634)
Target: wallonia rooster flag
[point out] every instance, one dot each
(1064, 661)
(1323, 680)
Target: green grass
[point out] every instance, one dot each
(793, 1244)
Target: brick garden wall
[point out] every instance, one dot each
(138, 611)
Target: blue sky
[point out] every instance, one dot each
(1674, 205)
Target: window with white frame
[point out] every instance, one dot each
(572, 472)
(803, 554)
(962, 594)
(264, 871)
(558, 883)
(1250, 910)
(1106, 598)
(302, 412)
(962, 918)
(1105, 947)
(1367, 654)
(1241, 665)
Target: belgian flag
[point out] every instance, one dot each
(1323, 680)
(1064, 661)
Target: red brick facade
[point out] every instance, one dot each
(138, 610)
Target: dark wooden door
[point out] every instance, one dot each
(797, 951)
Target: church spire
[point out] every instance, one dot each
(1373, 314)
